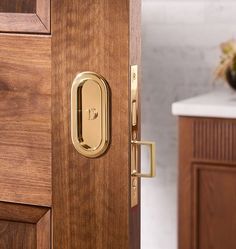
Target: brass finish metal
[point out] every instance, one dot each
(134, 136)
(135, 144)
(90, 114)
(152, 147)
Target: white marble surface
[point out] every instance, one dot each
(218, 104)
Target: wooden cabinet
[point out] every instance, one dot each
(207, 183)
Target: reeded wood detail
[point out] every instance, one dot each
(214, 139)
(24, 227)
(25, 16)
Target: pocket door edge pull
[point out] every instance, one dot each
(152, 147)
(135, 143)
(90, 114)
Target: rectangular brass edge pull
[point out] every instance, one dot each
(152, 147)
(135, 143)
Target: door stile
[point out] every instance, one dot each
(91, 197)
(135, 59)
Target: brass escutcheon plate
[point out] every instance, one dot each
(90, 114)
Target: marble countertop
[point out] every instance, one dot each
(218, 104)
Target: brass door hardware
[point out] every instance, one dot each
(90, 114)
(135, 144)
(152, 147)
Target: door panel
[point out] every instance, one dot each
(27, 16)
(25, 119)
(91, 197)
(215, 190)
(24, 227)
(25, 235)
(18, 6)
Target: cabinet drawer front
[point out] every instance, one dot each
(214, 206)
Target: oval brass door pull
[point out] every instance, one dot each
(90, 114)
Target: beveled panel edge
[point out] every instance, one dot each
(43, 230)
(38, 22)
(22, 212)
(43, 11)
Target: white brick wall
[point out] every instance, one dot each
(180, 52)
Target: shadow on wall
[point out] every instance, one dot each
(180, 53)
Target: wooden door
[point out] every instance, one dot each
(51, 196)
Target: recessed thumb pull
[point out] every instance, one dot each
(152, 147)
(90, 114)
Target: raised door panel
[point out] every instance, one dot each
(18, 6)
(24, 227)
(27, 16)
(16, 235)
(215, 205)
(25, 119)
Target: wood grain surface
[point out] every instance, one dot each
(16, 235)
(24, 227)
(91, 197)
(185, 194)
(21, 212)
(43, 230)
(215, 196)
(25, 16)
(18, 6)
(43, 11)
(135, 59)
(25, 119)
